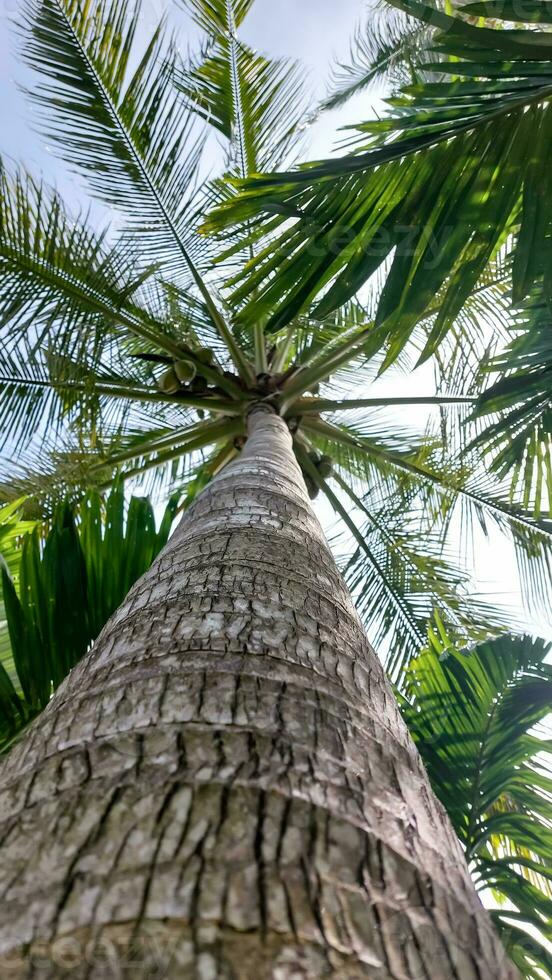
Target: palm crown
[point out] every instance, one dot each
(137, 351)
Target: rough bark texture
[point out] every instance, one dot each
(224, 787)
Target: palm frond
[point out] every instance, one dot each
(453, 496)
(519, 438)
(128, 134)
(257, 104)
(13, 527)
(56, 395)
(383, 51)
(473, 717)
(396, 558)
(435, 188)
(60, 280)
(70, 307)
(54, 270)
(213, 15)
(90, 556)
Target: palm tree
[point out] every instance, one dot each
(224, 785)
(518, 439)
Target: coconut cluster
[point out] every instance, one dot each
(186, 374)
(324, 465)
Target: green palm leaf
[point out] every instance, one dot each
(519, 439)
(444, 495)
(13, 527)
(473, 717)
(255, 103)
(131, 137)
(394, 505)
(67, 584)
(434, 188)
(55, 272)
(125, 131)
(70, 305)
(384, 50)
(213, 15)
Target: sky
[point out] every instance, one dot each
(317, 32)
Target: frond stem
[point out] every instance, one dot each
(440, 481)
(316, 405)
(115, 390)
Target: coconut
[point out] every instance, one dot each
(206, 355)
(325, 466)
(312, 489)
(199, 385)
(168, 383)
(185, 371)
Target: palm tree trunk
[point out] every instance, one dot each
(224, 787)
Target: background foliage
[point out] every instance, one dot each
(477, 719)
(63, 587)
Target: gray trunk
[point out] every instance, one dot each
(224, 787)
